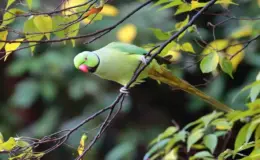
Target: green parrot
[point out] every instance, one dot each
(117, 62)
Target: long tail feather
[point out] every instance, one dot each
(164, 76)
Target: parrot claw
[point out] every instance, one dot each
(124, 90)
(144, 60)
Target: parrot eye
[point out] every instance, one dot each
(86, 58)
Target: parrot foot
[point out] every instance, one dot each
(124, 90)
(144, 60)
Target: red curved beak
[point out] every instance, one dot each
(83, 68)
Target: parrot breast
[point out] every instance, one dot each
(118, 66)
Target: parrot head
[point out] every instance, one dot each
(86, 61)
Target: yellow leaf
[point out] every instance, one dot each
(187, 47)
(8, 145)
(244, 31)
(127, 33)
(196, 4)
(9, 2)
(215, 46)
(3, 36)
(44, 24)
(258, 2)
(10, 47)
(175, 55)
(72, 3)
(219, 45)
(81, 146)
(109, 10)
(238, 57)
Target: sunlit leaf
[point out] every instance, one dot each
(195, 4)
(187, 47)
(238, 53)
(109, 10)
(241, 32)
(241, 136)
(168, 132)
(210, 142)
(226, 66)
(29, 3)
(155, 148)
(10, 47)
(257, 132)
(81, 146)
(58, 25)
(29, 27)
(172, 4)
(3, 36)
(185, 7)
(172, 155)
(10, 15)
(9, 2)
(256, 83)
(8, 145)
(44, 24)
(209, 63)
(194, 137)
(72, 30)
(127, 33)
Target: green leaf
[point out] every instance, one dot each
(187, 47)
(160, 34)
(226, 66)
(257, 132)
(160, 2)
(256, 83)
(202, 155)
(181, 24)
(194, 137)
(156, 147)
(29, 3)
(168, 132)
(209, 63)
(254, 105)
(210, 142)
(44, 24)
(30, 27)
(48, 90)
(10, 16)
(241, 136)
(9, 2)
(172, 4)
(250, 130)
(72, 30)
(185, 7)
(180, 136)
(58, 25)
(254, 92)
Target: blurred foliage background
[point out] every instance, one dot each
(44, 93)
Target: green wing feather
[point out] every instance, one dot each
(127, 48)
